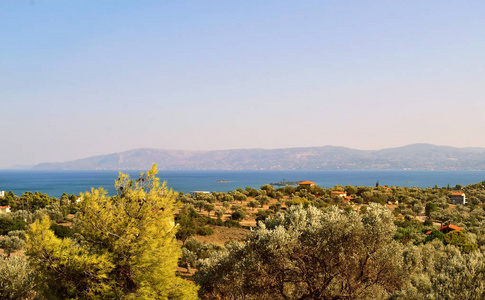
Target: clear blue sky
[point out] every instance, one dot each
(83, 78)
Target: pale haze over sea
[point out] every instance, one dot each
(84, 78)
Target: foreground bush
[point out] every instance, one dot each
(124, 247)
(16, 279)
(309, 254)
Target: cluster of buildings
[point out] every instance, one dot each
(455, 197)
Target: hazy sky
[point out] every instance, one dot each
(83, 78)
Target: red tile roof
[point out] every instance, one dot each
(457, 194)
(307, 182)
(338, 192)
(451, 226)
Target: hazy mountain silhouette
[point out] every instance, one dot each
(415, 156)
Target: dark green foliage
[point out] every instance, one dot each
(205, 231)
(275, 207)
(9, 199)
(430, 207)
(8, 224)
(435, 234)
(251, 192)
(34, 201)
(261, 215)
(61, 231)
(238, 215)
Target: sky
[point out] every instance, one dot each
(84, 78)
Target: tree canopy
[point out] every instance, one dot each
(307, 253)
(123, 247)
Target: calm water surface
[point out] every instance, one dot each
(54, 183)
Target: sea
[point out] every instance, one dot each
(55, 183)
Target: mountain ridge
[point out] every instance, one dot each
(414, 156)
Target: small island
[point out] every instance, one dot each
(222, 180)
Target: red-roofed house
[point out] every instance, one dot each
(458, 198)
(4, 209)
(306, 184)
(448, 228)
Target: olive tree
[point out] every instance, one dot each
(307, 253)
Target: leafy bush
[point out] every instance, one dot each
(238, 215)
(231, 223)
(205, 231)
(435, 234)
(16, 279)
(61, 231)
(8, 224)
(460, 239)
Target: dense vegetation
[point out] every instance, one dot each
(382, 243)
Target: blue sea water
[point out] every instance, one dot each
(54, 183)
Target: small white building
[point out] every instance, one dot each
(2, 194)
(4, 209)
(458, 198)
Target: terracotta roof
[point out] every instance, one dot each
(4, 206)
(348, 198)
(451, 226)
(429, 232)
(457, 194)
(307, 182)
(339, 192)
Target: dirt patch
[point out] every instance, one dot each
(223, 234)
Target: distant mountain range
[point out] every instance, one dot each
(415, 156)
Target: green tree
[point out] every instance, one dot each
(186, 221)
(239, 196)
(128, 247)
(253, 204)
(309, 254)
(208, 207)
(10, 244)
(430, 208)
(17, 279)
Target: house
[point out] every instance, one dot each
(4, 209)
(448, 228)
(2, 194)
(308, 184)
(458, 198)
(334, 194)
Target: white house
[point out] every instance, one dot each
(458, 198)
(2, 194)
(4, 209)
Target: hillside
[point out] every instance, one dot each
(416, 156)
